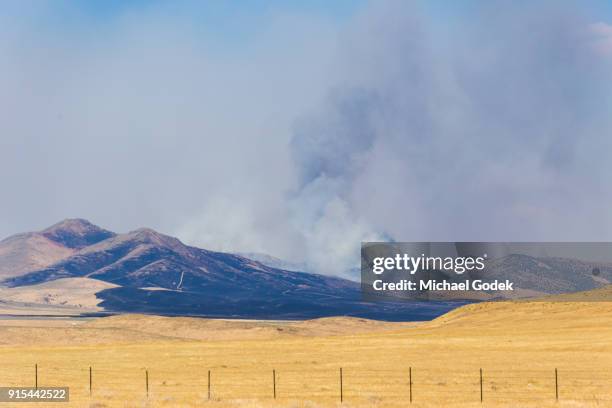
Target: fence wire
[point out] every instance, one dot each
(412, 384)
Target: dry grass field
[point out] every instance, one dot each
(517, 345)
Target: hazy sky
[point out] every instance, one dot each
(300, 128)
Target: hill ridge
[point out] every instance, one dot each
(199, 282)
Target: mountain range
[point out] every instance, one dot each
(147, 272)
(77, 266)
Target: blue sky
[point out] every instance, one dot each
(221, 12)
(232, 25)
(234, 22)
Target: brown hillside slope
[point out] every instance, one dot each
(71, 295)
(224, 329)
(23, 253)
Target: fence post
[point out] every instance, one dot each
(341, 390)
(36, 375)
(410, 382)
(556, 385)
(147, 381)
(90, 381)
(208, 384)
(274, 382)
(481, 385)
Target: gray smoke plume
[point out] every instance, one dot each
(497, 128)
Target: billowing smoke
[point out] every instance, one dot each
(497, 128)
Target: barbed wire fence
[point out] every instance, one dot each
(342, 384)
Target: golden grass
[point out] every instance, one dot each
(518, 345)
(66, 293)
